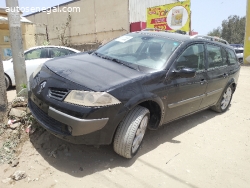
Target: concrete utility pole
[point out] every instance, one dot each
(16, 44)
(3, 95)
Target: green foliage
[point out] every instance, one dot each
(216, 32)
(64, 40)
(24, 86)
(46, 43)
(232, 30)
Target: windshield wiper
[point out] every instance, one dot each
(115, 60)
(123, 63)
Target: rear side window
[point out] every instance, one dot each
(216, 56)
(232, 59)
(192, 57)
(57, 52)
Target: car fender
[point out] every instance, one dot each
(143, 97)
(230, 82)
(8, 70)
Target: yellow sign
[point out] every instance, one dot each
(175, 16)
(247, 36)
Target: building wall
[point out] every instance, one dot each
(4, 32)
(98, 22)
(28, 35)
(138, 8)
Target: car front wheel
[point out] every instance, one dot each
(224, 101)
(130, 132)
(7, 82)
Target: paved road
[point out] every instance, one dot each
(205, 150)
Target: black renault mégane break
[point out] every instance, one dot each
(140, 80)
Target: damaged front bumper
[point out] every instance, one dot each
(72, 129)
(77, 126)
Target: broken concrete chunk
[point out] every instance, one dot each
(18, 175)
(21, 108)
(18, 99)
(17, 113)
(19, 104)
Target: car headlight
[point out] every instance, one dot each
(91, 99)
(38, 69)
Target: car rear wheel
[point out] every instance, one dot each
(130, 132)
(7, 82)
(224, 102)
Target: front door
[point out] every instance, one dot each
(185, 94)
(34, 58)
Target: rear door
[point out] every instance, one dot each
(217, 74)
(185, 94)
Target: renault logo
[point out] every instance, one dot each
(42, 86)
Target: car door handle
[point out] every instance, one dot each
(203, 81)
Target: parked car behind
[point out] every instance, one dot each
(239, 54)
(237, 45)
(136, 82)
(33, 58)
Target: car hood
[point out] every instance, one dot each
(92, 72)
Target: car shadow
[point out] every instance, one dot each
(82, 160)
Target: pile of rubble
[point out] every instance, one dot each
(20, 125)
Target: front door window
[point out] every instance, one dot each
(192, 57)
(36, 54)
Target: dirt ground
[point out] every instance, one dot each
(11, 94)
(203, 150)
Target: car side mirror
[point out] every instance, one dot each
(185, 73)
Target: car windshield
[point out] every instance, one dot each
(239, 51)
(138, 49)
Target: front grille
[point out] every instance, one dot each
(46, 121)
(58, 94)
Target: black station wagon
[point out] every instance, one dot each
(136, 82)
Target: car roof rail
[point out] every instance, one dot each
(210, 38)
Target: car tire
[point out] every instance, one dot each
(7, 82)
(224, 101)
(130, 132)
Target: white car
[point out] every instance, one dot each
(239, 54)
(33, 58)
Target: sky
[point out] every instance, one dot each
(206, 14)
